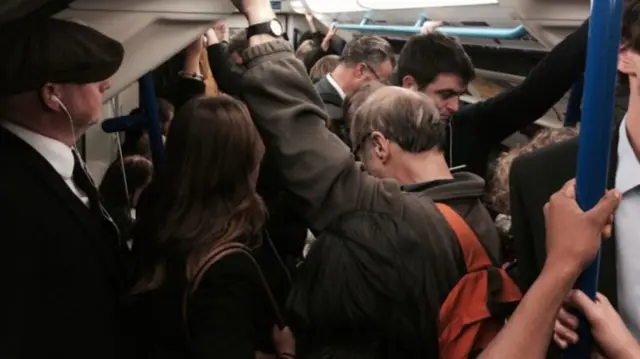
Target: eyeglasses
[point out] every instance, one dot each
(372, 71)
(359, 144)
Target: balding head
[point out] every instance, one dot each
(407, 118)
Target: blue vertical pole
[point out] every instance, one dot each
(149, 106)
(595, 135)
(574, 107)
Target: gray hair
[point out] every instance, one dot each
(372, 50)
(408, 118)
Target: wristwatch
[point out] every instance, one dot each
(272, 27)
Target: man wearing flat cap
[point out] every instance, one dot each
(61, 270)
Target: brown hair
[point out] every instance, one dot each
(324, 66)
(630, 37)
(204, 193)
(499, 183)
(138, 171)
(305, 47)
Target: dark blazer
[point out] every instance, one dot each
(534, 178)
(333, 110)
(60, 266)
(478, 128)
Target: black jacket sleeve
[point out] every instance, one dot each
(224, 70)
(489, 122)
(521, 230)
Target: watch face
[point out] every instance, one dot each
(276, 27)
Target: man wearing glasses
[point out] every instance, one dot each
(364, 59)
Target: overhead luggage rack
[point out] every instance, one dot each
(514, 33)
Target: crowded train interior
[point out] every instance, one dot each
(320, 179)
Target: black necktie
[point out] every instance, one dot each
(83, 180)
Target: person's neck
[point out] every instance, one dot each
(45, 126)
(422, 167)
(342, 76)
(633, 115)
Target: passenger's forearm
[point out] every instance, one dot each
(631, 352)
(531, 326)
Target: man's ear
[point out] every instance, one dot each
(48, 94)
(380, 147)
(410, 83)
(359, 70)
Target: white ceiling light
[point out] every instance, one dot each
(419, 4)
(334, 6)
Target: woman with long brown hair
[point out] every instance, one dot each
(190, 301)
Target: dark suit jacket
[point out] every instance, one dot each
(534, 178)
(333, 110)
(59, 265)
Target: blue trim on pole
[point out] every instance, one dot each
(595, 135)
(574, 107)
(149, 106)
(465, 31)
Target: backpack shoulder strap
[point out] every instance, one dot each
(475, 256)
(215, 256)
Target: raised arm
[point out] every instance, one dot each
(315, 165)
(506, 113)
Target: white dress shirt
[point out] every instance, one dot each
(55, 152)
(337, 87)
(627, 226)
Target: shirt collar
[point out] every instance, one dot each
(55, 152)
(337, 87)
(628, 171)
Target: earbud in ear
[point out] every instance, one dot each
(55, 98)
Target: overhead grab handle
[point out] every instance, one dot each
(517, 32)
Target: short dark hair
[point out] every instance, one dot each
(372, 50)
(424, 57)
(631, 25)
(365, 291)
(408, 118)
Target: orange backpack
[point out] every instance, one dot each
(477, 307)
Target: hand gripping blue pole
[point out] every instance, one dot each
(595, 135)
(149, 106)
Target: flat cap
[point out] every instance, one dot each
(56, 51)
